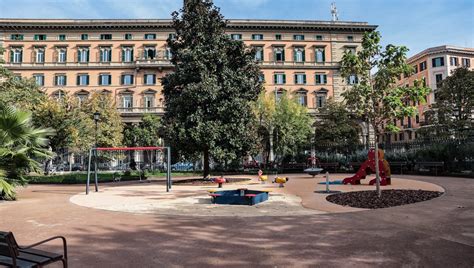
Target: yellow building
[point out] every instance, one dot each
(431, 66)
(127, 58)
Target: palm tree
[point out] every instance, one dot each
(21, 146)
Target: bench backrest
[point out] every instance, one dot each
(8, 245)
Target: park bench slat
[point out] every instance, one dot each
(4, 249)
(34, 258)
(19, 263)
(41, 253)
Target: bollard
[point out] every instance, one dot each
(327, 182)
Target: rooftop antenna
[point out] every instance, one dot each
(334, 14)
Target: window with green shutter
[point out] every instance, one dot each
(277, 36)
(62, 37)
(279, 78)
(279, 53)
(298, 54)
(320, 56)
(258, 53)
(16, 37)
(16, 55)
(150, 36)
(39, 37)
(298, 37)
(127, 54)
(106, 37)
(321, 79)
(84, 37)
(236, 36)
(300, 78)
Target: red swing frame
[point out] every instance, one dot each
(93, 152)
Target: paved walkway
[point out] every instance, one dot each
(436, 233)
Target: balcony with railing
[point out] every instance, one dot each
(134, 114)
(301, 64)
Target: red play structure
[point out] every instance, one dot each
(368, 167)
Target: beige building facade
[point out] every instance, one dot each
(127, 58)
(431, 66)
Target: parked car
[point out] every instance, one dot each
(182, 166)
(77, 167)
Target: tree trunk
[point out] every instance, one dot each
(206, 163)
(377, 173)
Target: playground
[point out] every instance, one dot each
(302, 195)
(106, 232)
(273, 220)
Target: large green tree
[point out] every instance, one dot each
(337, 127)
(208, 96)
(377, 97)
(452, 112)
(285, 125)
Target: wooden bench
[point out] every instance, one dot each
(326, 166)
(399, 165)
(13, 255)
(436, 165)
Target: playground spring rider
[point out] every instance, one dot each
(281, 181)
(220, 180)
(262, 178)
(368, 167)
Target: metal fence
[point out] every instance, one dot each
(437, 156)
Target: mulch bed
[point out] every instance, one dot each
(389, 198)
(199, 181)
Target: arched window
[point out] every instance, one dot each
(82, 96)
(127, 54)
(299, 55)
(302, 97)
(126, 100)
(321, 97)
(58, 95)
(150, 52)
(279, 93)
(149, 99)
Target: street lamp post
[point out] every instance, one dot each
(96, 120)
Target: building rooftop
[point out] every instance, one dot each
(118, 24)
(441, 49)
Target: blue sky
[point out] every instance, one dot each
(418, 24)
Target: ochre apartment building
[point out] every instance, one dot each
(431, 66)
(127, 58)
